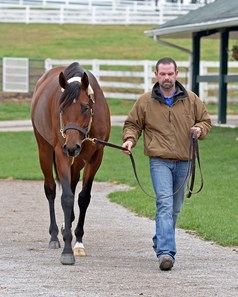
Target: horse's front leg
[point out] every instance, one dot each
(63, 165)
(84, 200)
(83, 203)
(67, 202)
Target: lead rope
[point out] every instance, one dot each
(193, 155)
(194, 152)
(95, 140)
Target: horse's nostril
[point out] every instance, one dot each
(72, 152)
(65, 148)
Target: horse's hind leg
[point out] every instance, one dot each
(50, 193)
(46, 155)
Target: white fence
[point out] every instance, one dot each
(125, 79)
(121, 79)
(16, 75)
(30, 15)
(96, 2)
(113, 12)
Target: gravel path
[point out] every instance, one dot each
(120, 261)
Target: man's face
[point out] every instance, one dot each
(166, 76)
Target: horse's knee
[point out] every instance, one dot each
(67, 201)
(83, 201)
(50, 191)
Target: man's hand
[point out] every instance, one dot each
(128, 145)
(198, 130)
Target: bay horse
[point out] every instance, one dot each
(69, 110)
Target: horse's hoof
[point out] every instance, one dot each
(67, 259)
(54, 244)
(79, 249)
(79, 252)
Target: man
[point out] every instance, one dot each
(166, 115)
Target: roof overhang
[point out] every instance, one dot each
(186, 31)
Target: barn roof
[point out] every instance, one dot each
(216, 15)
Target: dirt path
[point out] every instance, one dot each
(120, 259)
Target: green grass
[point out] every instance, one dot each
(19, 156)
(212, 214)
(93, 42)
(14, 110)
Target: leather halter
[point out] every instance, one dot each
(84, 131)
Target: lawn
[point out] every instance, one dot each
(93, 42)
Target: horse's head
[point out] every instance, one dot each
(76, 111)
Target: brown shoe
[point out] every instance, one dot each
(166, 262)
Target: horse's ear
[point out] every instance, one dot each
(62, 80)
(84, 81)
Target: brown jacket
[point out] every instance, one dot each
(166, 129)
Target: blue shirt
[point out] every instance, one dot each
(169, 100)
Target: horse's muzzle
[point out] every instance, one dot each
(72, 152)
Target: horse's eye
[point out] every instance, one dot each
(84, 108)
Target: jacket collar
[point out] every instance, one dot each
(180, 95)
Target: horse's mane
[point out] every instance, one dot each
(72, 91)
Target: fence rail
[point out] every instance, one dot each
(63, 15)
(104, 3)
(112, 12)
(122, 79)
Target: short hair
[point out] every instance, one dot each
(166, 60)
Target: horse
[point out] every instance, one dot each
(68, 111)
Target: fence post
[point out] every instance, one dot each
(151, 74)
(146, 76)
(161, 11)
(190, 71)
(135, 6)
(203, 87)
(96, 69)
(127, 20)
(48, 64)
(94, 15)
(113, 5)
(27, 12)
(61, 14)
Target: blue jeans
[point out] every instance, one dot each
(167, 176)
